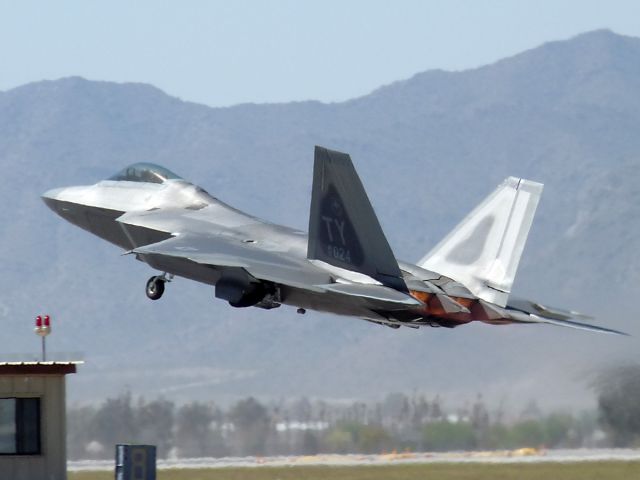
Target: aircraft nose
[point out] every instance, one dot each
(53, 194)
(52, 197)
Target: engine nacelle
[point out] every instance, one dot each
(240, 290)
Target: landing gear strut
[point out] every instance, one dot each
(155, 286)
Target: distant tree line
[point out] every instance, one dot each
(619, 404)
(306, 427)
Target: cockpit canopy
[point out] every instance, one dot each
(145, 172)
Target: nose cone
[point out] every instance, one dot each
(52, 198)
(69, 203)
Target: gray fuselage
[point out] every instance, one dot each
(175, 206)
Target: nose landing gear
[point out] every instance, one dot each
(155, 285)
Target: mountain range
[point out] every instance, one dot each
(428, 149)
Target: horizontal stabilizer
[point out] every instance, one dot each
(343, 228)
(581, 326)
(545, 310)
(532, 318)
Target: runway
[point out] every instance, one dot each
(527, 455)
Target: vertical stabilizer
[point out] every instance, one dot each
(343, 228)
(484, 250)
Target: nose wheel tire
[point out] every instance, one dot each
(155, 288)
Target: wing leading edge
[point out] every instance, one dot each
(217, 251)
(223, 254)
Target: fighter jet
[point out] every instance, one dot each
(343, 266)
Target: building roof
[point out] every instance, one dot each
(39, 368)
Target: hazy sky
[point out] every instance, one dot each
(227, 52)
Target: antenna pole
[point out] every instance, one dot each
(43, 328)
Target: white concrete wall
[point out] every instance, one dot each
(51, 464)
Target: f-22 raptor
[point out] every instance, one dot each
(344, 265)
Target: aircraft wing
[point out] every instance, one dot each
(378, 293)
(205, 243)
(220, 251)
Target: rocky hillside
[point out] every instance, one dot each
(427, 148)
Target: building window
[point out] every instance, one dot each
(19, 426)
